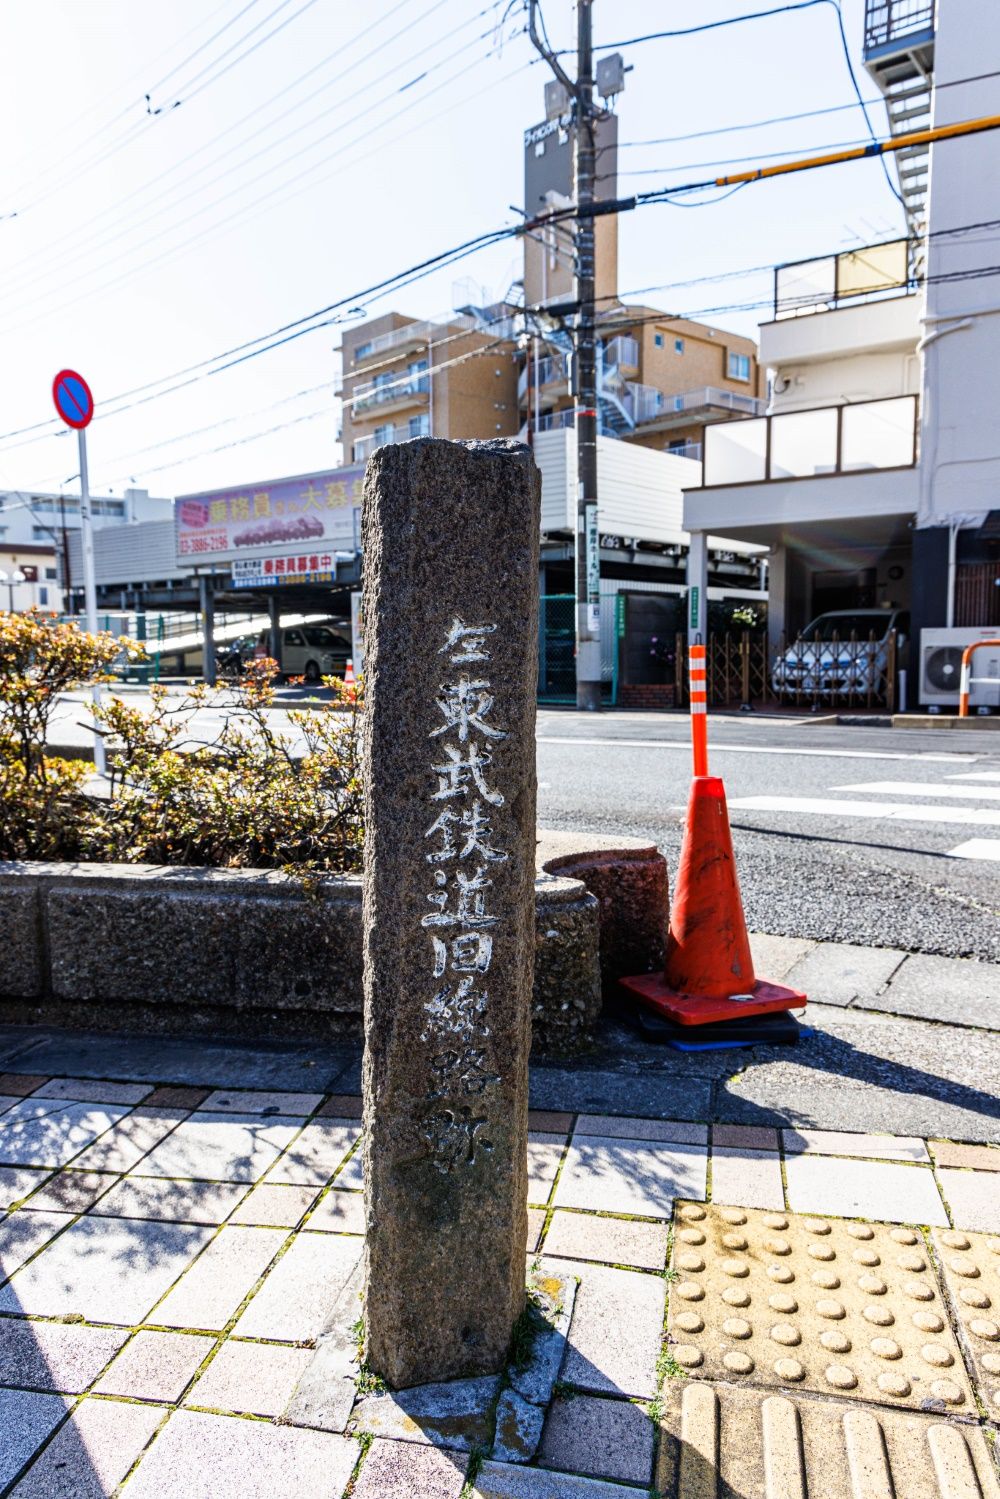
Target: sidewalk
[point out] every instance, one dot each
(782, 1258)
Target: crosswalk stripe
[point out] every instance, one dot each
(976, 775)
(871, 811)
(977, 848)
(922, 788)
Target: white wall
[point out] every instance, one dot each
(960, 447)
(640, 490)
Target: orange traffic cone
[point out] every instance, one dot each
(349, 674)
(708, 975)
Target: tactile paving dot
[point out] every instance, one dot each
(879, 1334)
(970, 1268)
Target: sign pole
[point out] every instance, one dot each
(89, 582)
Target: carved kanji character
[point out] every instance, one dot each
(471, 908)
(455, 775)
(477, 834)
(454, 1136)
(462, 1070)
(458, 1009)
(443, 826)
(471, 952)
(466, 642)
(465, 706)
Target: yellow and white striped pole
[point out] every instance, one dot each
(699, 709)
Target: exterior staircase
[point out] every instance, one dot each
(899, 57)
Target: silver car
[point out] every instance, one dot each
(841, 654)
(310, 651)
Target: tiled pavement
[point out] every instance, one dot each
(170, 1255)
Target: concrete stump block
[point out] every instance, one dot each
(451, 591)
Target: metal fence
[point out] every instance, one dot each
(850, 672)
(743, 671)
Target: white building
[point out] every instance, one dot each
(875, 478)
(36, 532)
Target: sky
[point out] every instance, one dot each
(180, 179)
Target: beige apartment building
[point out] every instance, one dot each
(404, 377)
(661, 380)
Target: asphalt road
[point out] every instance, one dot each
(842, 833)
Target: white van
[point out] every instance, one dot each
(310, 651)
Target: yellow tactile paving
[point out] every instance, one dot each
(721, 1441)
(806, 1303)
(970, 1269)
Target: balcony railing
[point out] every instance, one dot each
(685, 450)
(415, 334)
(893, 20)
(366, 396)
(552, 370)
(551, 420)
(622, 353)
(712, 395)
(644, 402)
(831, 281)
(844, 439)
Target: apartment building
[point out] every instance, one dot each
(874, 477)
(404, 377)
(661, 380)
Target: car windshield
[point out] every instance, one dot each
(319, 635)
(843, 626)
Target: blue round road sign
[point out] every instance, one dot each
(73, 399)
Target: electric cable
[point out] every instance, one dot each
(54, 251)
(109, 124)
(93, 243)
(269, 171)
(150, 117)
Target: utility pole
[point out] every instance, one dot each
(588, 564)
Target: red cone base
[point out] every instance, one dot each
(701, 1009)
(708, 974)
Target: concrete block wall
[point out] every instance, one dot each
(249, 953)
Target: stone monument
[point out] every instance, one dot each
(450, 536)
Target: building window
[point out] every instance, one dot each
(739, 366)
(658, 340)
(43, 596)
(419, 378)
(51, 574)
(678, 346)
(420, 426)
(363, 350)
(359, 451)
(383, 434)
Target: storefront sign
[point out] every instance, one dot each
(271, 572)
(315, 512)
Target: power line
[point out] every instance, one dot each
(278, 188)
(114, 120)
(54, 248)
(111, 234)
(758, 15)
(277, 336)
(437, 369)
(150, 117)
(324, 317)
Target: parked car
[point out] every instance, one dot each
(841, 654)
(310, 651)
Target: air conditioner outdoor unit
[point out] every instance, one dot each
(941, 667)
